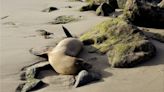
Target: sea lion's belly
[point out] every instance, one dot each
(63, 57)
(63, 64)
(70, 46)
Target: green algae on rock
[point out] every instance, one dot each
(30, 85)
(124, 43)
(65, 19)
(156, 36)
(121, 3)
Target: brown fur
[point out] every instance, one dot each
(63, 58)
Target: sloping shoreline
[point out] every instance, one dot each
(18, 34)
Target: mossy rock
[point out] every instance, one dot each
(32, 71)
(121, 3)
(90, 6)
(124, 43)
(142, 13)
(30, 85)
(155, 36)
(104, 10)
(159, 37)
(65, 19)
(94, 4)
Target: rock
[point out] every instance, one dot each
(124, 55)
(10, 23)
(68, 6)
(4, 17)
(44, 33)
(30, 85)
(124, 43)
(19, 88)
(90, 6)
(50, 9)
(85, 77)
(121, 3)
(104, 9)
(94, 4)
(32, 71)
(161, 4)
(159, 37)
(156, 36)
(152, 1)
(136, 11)
(112, 3)
(65, 19)
(30, 74)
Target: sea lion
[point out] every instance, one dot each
(63, 58)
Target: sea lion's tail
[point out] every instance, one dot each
(67, 33)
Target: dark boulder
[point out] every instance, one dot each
(144, 14)
(50, 9)
(104, 9)
(94, 4)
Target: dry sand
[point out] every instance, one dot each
(18, 34)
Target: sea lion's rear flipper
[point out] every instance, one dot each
(40, 51)
(67, 33)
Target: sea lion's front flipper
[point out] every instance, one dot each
(67, 33)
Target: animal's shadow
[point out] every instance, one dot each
(98, 61)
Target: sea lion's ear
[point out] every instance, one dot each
(67, 33)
